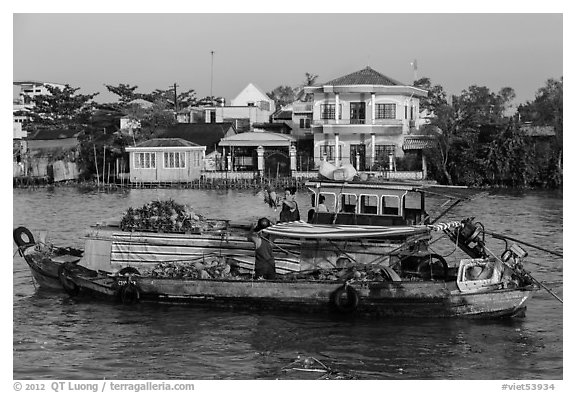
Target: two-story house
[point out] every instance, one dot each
(363, 118)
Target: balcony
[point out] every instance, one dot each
(355, 126)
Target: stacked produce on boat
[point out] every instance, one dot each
(167, 216)
(207, 269)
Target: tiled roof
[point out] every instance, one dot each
(203, 134)
(167, 142)
(367, 76)
(44, 135)
(283, 115)
(272, 126)
(418, 143)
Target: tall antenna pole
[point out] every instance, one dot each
(211, 77)
(414, 65)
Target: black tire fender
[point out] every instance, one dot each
(19, 236)
(426, 264)
(69, 286)
(345, 299)
(129, 294)
(128, 270)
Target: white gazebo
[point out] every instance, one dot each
(259, 140)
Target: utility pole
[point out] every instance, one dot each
(175, 98)
(211, 77)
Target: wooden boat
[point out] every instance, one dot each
(368, 255)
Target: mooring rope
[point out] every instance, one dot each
(504, 237)
(528, 274)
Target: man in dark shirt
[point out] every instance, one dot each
(265, 265)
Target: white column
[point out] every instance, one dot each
(292, 151)
(260, 151)
(373, 136)
(373, 108)
(424, 168)
(337, 108)
(336, 156)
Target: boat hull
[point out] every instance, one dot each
(377, 299)
(44, 270)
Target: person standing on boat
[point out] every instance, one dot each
(264, 265)
(289, 210)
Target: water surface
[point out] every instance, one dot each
(56, 337)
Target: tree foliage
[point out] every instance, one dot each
(61, 108)
(282, 95)
(479, 142)
(436, 95)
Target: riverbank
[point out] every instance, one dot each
(203, 184)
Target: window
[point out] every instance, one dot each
(175, 160)
(195, 159)
(329, 201)
(348, 203)
(328, 111)
(390, 205)
(384, 151)
(413, 200)
(304, 123)
(385, 111)
(328, 151)
(145, 160)
(369, 204)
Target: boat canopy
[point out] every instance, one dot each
(301, 229)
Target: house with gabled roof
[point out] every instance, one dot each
(161, 160)
(363, 118)
(251, 104)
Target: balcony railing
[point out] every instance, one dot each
(378, 122)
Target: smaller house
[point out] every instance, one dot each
(166, 160)
(52, 154)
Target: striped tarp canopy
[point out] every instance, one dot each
(301, 229)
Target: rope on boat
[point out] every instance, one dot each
(528, 274)
(504, 237)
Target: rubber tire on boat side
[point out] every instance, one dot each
(345, 299)
(69, 286)
(426, 264)
(129, 294)
(19, 240)
(128, 270)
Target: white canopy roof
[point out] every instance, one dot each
(262, 138)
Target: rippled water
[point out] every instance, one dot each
(56, 337)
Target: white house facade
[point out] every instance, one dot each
(363, 119)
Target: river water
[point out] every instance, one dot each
(57, 337)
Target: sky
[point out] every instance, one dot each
(155, 50)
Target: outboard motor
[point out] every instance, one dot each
(470, 238)
(514, 254)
